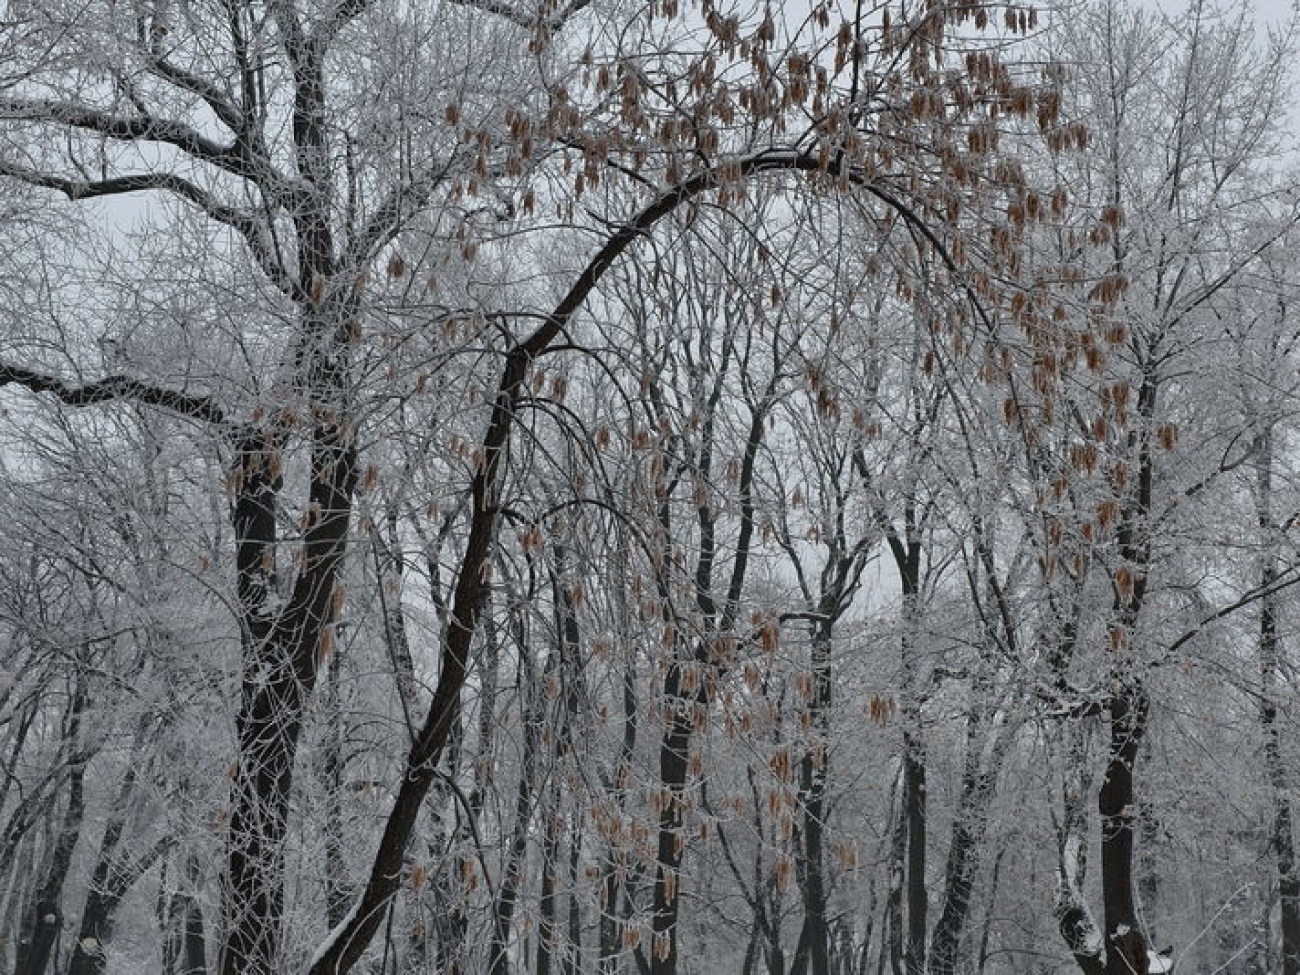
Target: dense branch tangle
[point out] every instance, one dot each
(865, 110)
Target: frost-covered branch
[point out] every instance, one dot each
(111, 388)
(249, 227)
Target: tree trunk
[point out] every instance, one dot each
(990, 911)
(546, 906)
(184, 939)
(1127, 707)
(891, 945)
(573, 955)
(673, 767)
(268, 739)
(103, 896)
(979, 781)
(1270, 656)
(113, 877)
(511, 873)
(1126, 949)
(1074, 920)
(813, 772)
(338, 891)
(282, 651)
(907, 552)
(863, 964)
(573, 693)
(45, 920)
(41, 934)
(194, 940)
(914, 809)
(608, 944)
(615, 867)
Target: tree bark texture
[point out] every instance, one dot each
(1270, 657)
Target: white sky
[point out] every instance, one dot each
(1267, 12)
(1272, 11)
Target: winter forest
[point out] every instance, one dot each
(648, 487)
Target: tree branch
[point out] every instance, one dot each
(407, 198)
(344, 12)
(551, 25)
(226, 110)
(111, 388)
(231, 158)
(1285, 581)
(248, 226)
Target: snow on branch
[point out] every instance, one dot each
(249, 227)
(234, 158)
(114, 388)
(550, 25)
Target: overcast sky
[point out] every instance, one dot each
(1267, 11)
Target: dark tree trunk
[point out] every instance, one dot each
(675, 744)
(862, 966)
(1074, 920)
(1284, 848)
(186, 941)
(914, 806)
(612, 917)
(907, 551)
(1270, 656)
(40, 936)
(978, 787)
(813, 771)
(15, 828)
(511, 874)
(609, 944)
(268, 738)
(573, 955)
(389, 570)
(102, 898)
(1127, 708)
(546, 906)
(457, 828)
(574, 693)
(113, 878)
(673, 767)
(891, 945)
(767, 896)
(338, 892)
(194, 940)
(1148, 881)
(991, 911)
(282, 652)
(1126, 950)
(45, 919)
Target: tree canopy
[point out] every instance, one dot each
(665, 487)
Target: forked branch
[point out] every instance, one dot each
(249, 227)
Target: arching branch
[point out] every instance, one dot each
(345, 945)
